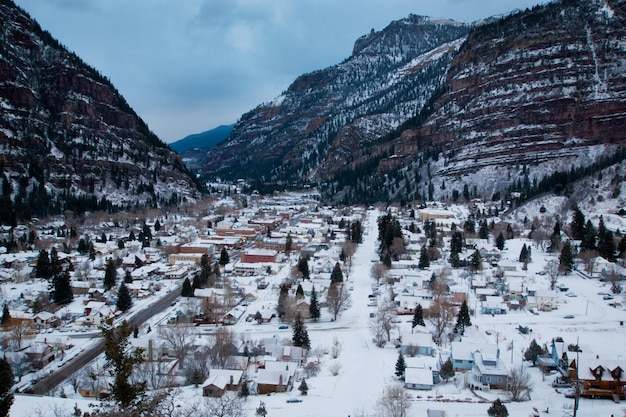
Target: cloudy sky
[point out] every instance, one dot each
(191, 65)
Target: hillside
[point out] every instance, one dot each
(68, 139)
(462, 105)
(203, 140)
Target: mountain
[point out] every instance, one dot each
(68, 139)
(424, 101)
(202, 140)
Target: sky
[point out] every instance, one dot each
(190, 66)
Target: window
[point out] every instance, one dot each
(488, 379)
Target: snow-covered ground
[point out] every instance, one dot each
(365, 369)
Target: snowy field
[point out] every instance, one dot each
(365, 370)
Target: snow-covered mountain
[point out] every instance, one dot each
(68, 139)
(427, 100)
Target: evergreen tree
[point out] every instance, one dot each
(337, 275)
(400, 366)
(566, 259)
(62, 288)
(7, 381)
(483, 230)
(157, 225)
(590, 234)
(245, 391)
(500, 241)
(6, 314)
(303, 388)
(606, 242)
(424, 262)
(224, 258)
(447, 370)
(533, 352)
(128, 278)
(476, 261)
(261, 411)
(283, 297)
(555, 238)
(110, 275)
(454, 260)
(299, 292)
(303, 267)
(288, 243)
(300, 334)
(55, 264)
(187, 290)
(120, 361)
(456, 242)
(42, 269)
(523, 255)
(418, 316)
(621, 247)
(497, 409)
(124, 300)
(463, 318)
(577, 225)
(314, 308)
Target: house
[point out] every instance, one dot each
(275, 377)
(220, 381)
(487, 372)
(418, 378)
(556, 358)
(420, 344)
(462, 354)
(547, 300)
(599, 377)
(40, 354)
(233, 315)
(45, 320)
(493, 305)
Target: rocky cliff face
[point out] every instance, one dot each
(67, 137)
(438, 101)
(336, 117)
(543, 86)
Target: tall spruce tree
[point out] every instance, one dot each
(500, 241)
(418, 316)
(61, 288)
(577, 225)
(43, 269)
(314, 308)
(6, 314)
(303, 267)
(400, 366)
(497, 409)
(224, 257)
(300, 334)
(590, 235)
(423, 262)
(337, 275)
(566, 258)
(110, 275)
(447, 370)
(6, 383)
(124, 300)
(463, 319)
(606, 242)
(187, 290)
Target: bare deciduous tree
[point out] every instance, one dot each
(378, 272)
(551, 268)
(223, 346)
(386, 314)
(338, 298)
(18, 330)
(178, 338)
(334, 368)
(441, 312)
(394, 402)
(519, 385)
(335, 348)
(589, 259)
(228, 405)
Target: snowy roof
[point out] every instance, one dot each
(418, 376)
(465, 350)
(222, 377)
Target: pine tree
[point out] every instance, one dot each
(6, 383)
(261, 411)
(6, 314)
(43, 269)
(590, 235)
(288, 243)
(500, 241)
(55, 264)
(606, 242)
(418, 316)
(337, 275)
(110, 275)
(299, 292)
(463, 318)
(120, 361)
(303, 267)
(424, 262)
(300, 335)
(577, 225)
(303, 388)
(476, 261)
(400, 366)
(533, 352)
(62, 288)
(224, 258)
(497, 409)
(314, 308)
(187, 290)
(523, 255)
(447, 370)
(483, 230)
(566, 259)
(124, 300)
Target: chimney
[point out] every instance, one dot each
(232, 380)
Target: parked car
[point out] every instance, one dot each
(283, 327)
(294, 400)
